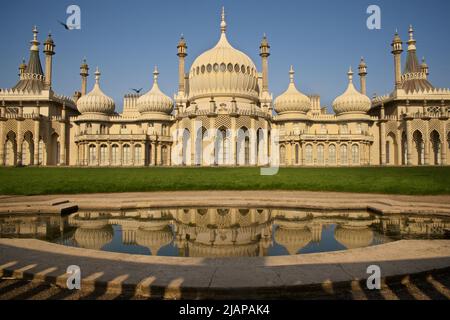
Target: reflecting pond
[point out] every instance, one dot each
(222, 232)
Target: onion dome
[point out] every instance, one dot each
(94, 238)
(353, 238)
(96, 101)
(155, 101)
(293, 239)
(351, 101)
(223, 71)
(292, 100)
(154, 239)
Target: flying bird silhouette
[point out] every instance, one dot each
(64, 25)
(137, 90)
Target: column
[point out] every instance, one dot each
(97, 149)
(19, 140)
(409, 139)
(109, 153)
(253, 142)
(86, 153)
(2, 142)
(154, 153)
(193, 132)
(158, 155)
(62, 144)
(383, 142)
(37, 135)
(120, 153)
(143, 152)
(233, 142)
(427, 144)
(133, 153)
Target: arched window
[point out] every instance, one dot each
(320, 155)
(126, 155)
(243, 147)
(222, 147)
(103, 154)
(186, 152)
(137, 155)
(115, 155)
(436, 147)
(92, 155)
(309, 154)
(332, 155)
(419, 144)
(355, 154)
(41, 152)
(344, 155)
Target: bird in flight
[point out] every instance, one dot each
(64, 25)
(137, 90)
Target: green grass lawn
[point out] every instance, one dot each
(39, 181)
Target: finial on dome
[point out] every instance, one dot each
(97, 75)
(155, 74)
(291, 74)
(411, 41)
(223, 24)
(350, 75)
(35, 42)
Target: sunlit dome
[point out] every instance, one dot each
(155, 101)
(96, 101)
(292, 100)
(223, 71)
(353, 237)
(351, 101)
(94, 238)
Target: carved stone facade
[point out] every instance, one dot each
(224, 115)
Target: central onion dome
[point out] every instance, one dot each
(292, 100)
(96, 101)
(155, 101)
(351, 101)
(93, 236)
(223, 71)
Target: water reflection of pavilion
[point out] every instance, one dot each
(221, 232)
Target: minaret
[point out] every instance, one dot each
(362, 76)
(22, 68)
(84, 73)
(182, 54)
(397, 50)
(264, 52)
(424, 67)
(49, 50)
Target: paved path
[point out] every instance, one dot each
(191, 278)
(386, 204)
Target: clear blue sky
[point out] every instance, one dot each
(321, 38)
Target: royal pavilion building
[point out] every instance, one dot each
(223, 114)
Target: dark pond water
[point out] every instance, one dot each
(222, 232)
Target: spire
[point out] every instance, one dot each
(155, 75)
(291, 74)
(411, 41)
(362, 67)
(97, 76)
(223, 24)
(350, 75)
(35, 43)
